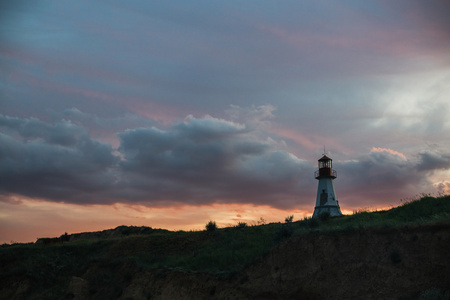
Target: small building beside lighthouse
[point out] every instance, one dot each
(326, 200)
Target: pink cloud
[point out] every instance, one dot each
(443, 187)
(299, 138)
(390, 151)
(311, 142)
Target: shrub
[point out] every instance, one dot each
(65, 237)
(211, 226)
(125, 230)
(289, 219)
(241, 225)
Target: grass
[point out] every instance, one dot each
(49, 268)
(222, 250)
(427, 209)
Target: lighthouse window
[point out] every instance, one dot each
(325, 164)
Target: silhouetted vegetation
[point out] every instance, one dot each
(261, 221)
(414, 212)
(309, 223)
(289, 219)
(65, 237)
(241, 225)
(211, 226)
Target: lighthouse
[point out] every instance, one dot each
(326, 200)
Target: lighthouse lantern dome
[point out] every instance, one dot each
(325, 168)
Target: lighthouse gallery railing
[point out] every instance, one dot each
(325, 172)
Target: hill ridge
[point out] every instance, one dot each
(308, 259)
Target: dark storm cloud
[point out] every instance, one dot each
(62, 133)
(430, 161)
(52, 161)
(104, 127)
(210, 160)
(194, 161)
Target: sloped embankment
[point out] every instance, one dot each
(366, 264)
(395, 254)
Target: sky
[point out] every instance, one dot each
(169, 114)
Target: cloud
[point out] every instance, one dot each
(197, 161)
(388, 174)
(62, 133)
(55, 161)
(443, 187)
(209, 160)
(430, 161)
(389, 151)
(255, 117)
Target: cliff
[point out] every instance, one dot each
(369, 264)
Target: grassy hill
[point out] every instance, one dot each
(105, 264)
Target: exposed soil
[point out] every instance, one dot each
(363, 264)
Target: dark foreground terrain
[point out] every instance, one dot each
(402, 253)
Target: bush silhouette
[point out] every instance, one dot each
(289, 219)
(65, 237)
(241, 225)
(211, 226)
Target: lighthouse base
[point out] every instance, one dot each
(334, 210)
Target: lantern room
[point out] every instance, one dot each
(325, 168)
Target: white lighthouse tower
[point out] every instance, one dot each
(326, 200)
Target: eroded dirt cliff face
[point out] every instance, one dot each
(366, 264)
(370, 264)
